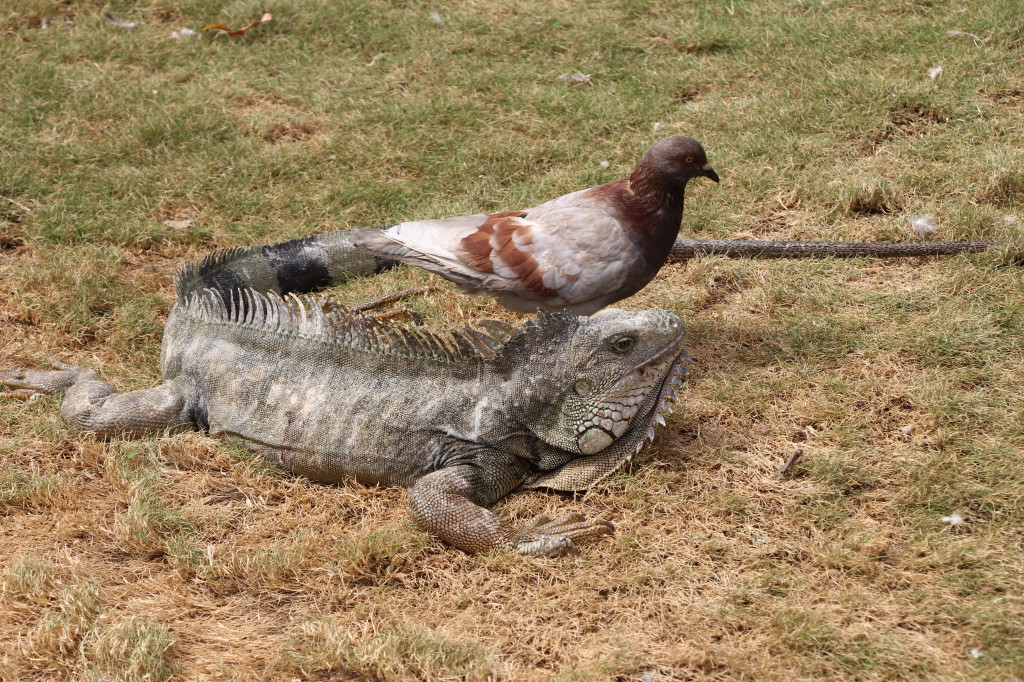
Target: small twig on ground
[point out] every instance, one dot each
(391, 298)
(393, 313)
(789, 462)
(20, 205)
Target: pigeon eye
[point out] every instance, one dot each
(623, 344)
(688, 159)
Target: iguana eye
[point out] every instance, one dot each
(623, 344)
(688, 159)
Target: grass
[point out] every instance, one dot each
(69, 633)
(396, 653)
(126, 152)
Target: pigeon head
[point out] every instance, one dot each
(676, 159)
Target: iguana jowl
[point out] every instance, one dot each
(460, 419)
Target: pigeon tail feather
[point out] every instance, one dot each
(428, 244)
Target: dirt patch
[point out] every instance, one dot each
(11, 237)
(705, 46)
(263, 102)
(910, 114)
(291, 131)
(687, 94)
(905, 119)
(277, 120)
(783, 218)
(165, 15)
(1009, 97)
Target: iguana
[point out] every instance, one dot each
(461, 418)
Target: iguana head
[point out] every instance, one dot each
(594, 393)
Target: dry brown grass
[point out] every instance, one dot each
(717, 571)
(184, 558)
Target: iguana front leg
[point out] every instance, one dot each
(451, 504)
(91, 404)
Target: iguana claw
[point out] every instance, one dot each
(28, 384)
(545, 537)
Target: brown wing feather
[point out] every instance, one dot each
(492, 247)
(477, 247)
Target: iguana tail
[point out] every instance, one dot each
(298, 266)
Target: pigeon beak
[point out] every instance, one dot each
(709, 172)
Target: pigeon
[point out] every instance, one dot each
(577, 253)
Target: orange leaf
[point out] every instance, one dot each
(241, 31)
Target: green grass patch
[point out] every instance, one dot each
(380, 556)
(393, 652)
(132, 649)
(20, 489)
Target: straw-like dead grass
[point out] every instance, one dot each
(891, 549)
(717, 570)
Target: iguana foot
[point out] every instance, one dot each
(28, 384)
(545, 537)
